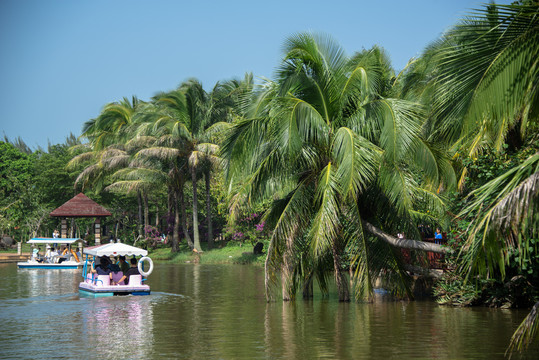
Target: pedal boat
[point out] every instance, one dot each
(67, 260)
(95, 285)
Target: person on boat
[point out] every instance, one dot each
(36, 256)
(101, 266)
(114, 270)
(124, 266)
(133, 270)
(64, 256)
(54, 254)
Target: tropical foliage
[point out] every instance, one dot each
(333, 149)
(334, 154)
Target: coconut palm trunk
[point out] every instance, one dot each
(140, 220)
(196, 237)
(176, 229)
(207, 177)
(146, 210)
(340, 279)
(185, 229)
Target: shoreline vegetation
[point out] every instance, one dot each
(335, 163)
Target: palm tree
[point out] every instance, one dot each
(486, 84)
(185, 121)
(106, 150)
(333, 152)
(488, 96)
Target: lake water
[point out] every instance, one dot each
(219, 312)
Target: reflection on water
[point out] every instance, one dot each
(119, 327)
(207, 312)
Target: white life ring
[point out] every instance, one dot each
(141, 270)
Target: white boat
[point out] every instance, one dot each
(100, 285)
(68, 259)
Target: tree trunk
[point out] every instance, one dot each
(308, 288)
(140, 229)
(146, 211)
(176, 228)
(267, 272)
(184, 216)
(405, 243)
(340, 280)
(171, 197)
(207, 176)
(287, 277)
(287, 269)
(196, 237)
(157, 214)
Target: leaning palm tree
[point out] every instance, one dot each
(333, 152)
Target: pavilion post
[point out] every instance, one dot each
(63, 229)
(97, 231)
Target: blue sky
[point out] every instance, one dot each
(61, 61)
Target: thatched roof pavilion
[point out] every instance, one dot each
(81, 206)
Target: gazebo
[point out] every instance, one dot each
(81, 206)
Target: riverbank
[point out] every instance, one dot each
(231, 253)
(10, 257)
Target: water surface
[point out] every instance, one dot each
(219, 312)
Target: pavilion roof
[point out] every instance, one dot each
(80, 206)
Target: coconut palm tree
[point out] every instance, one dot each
(185, 121)
(333, 151)
(487, 97)
(486, 91)
(106, 151)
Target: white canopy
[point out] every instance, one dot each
(53, 240)
(114, 249)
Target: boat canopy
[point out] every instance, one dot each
(114, 249)
(53, 240)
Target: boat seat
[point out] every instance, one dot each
(102, 280)
(117, 276)
(89, 278)
(135, 280)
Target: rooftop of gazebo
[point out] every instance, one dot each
(80, 206)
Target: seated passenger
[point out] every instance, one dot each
(114, 269)
(124, 266)
(101, 266)
(133, 270)
(36, 256)
(53, 257)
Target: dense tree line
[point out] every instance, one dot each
(339, 152)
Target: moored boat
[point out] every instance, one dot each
(67, 258)
(96, 285)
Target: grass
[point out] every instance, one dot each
(231, 253)
(26, 248)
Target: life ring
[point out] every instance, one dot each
(141, 270)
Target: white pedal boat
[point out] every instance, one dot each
(100, 285)
(68, 259)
